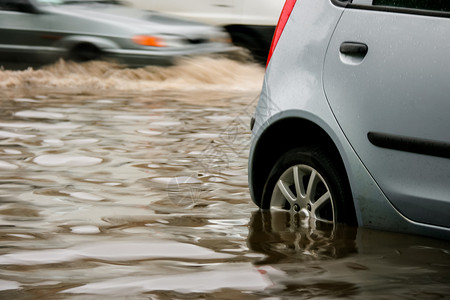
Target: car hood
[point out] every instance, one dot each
(134, 19)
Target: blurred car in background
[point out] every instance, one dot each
(251, 23)
(81, 30)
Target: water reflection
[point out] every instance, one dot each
(282, 236)
(347, 262)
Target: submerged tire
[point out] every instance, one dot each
(306, 180)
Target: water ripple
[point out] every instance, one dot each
(54, 160)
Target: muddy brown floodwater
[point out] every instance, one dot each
(132, 184)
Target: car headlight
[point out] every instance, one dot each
(158, 40)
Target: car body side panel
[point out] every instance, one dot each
(27, 37)
(401, 88)
(19, 27)
(293, 87)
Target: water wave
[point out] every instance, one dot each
(200, 73)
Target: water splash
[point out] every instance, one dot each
(188, 74)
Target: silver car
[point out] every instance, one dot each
(352, 125)
(45, 30)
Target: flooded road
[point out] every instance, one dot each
(132, 183)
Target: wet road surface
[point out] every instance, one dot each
(132, 183)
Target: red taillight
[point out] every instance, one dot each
(284, 16)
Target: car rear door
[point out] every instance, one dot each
(24, 36)
(387, 80)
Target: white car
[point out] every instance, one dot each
(42, 31)
(250, 23)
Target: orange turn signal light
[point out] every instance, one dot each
(146, 40)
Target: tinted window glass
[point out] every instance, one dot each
(438, 5)
(15, 5)
(7, 5)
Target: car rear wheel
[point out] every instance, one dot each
(307, 181)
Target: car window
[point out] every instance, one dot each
(50, 1)
(13, 5)
(24, 5)
(436, 5)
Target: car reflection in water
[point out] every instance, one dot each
(283, 236)
(45, 30)
(307, 259)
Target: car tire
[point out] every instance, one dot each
(85, 52)
(307, 180)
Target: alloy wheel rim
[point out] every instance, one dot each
(302, 189)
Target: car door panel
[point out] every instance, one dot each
(399, 92)
(26, 36)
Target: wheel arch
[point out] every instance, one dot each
(71, 42)
(277, 139)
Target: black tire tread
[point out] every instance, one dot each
(322, 161)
